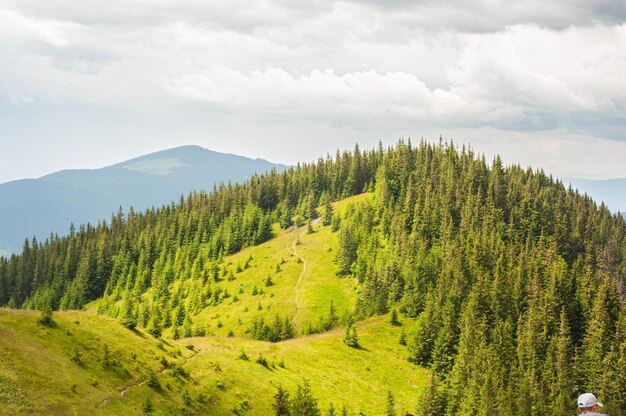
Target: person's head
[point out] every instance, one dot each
(587, 402)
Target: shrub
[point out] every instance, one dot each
(45, 317)
(146, 405)
(263, 361)
(153, 380)
(179, 371)
(77, 357)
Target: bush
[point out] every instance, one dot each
(77, 357)
(153, 381)
(186, 398)
(393, 318)
(351, 338)
(105, 359)
(147, 406)
(45, 317)
(179, 371)
(263, 361)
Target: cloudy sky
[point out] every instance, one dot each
(87, 83)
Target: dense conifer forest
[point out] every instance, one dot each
(514, 283)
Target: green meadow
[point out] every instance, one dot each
(84, 363)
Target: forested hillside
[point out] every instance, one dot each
(514, 282)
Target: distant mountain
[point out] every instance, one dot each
(37, 207)
(610, 191)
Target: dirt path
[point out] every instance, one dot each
(139, 383)
(295, 252)
(293, 246)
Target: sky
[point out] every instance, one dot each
(87, 83)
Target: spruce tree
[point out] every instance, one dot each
(303, 402)
(393, 318)
(402, 338)
(391, 405)
(146, 405)
(45, 316)
(431, 402)
(328, 213)
(281, 403)
(351, 338)
(288, 330)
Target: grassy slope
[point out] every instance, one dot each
(37, 375)
(359, 378)
(317, 287)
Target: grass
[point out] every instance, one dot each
(38, 376)
(318, 286)
(61, 369)
(358, 378)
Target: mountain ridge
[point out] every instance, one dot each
(610, 191)
(49, 204)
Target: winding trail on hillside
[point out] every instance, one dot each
(138, 383)
(295, 252)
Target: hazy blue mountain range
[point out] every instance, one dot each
(610, 191)
(37, 207)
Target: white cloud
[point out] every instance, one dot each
(558, 152)
(318, 95)
(524, 75)
(364, 69)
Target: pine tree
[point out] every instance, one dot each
(328, 213)
(431, 402)
(596, 342)
(346, 253)
(281, 403)
(391, 405)
(351, 338)
(402, 338)
(45, 317)
(146, 405)
(559, 364)
(393, 318)
(128, 318)
(303, 402)
(288, 330)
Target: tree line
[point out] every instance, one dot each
(158, 268)
(516, 282)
